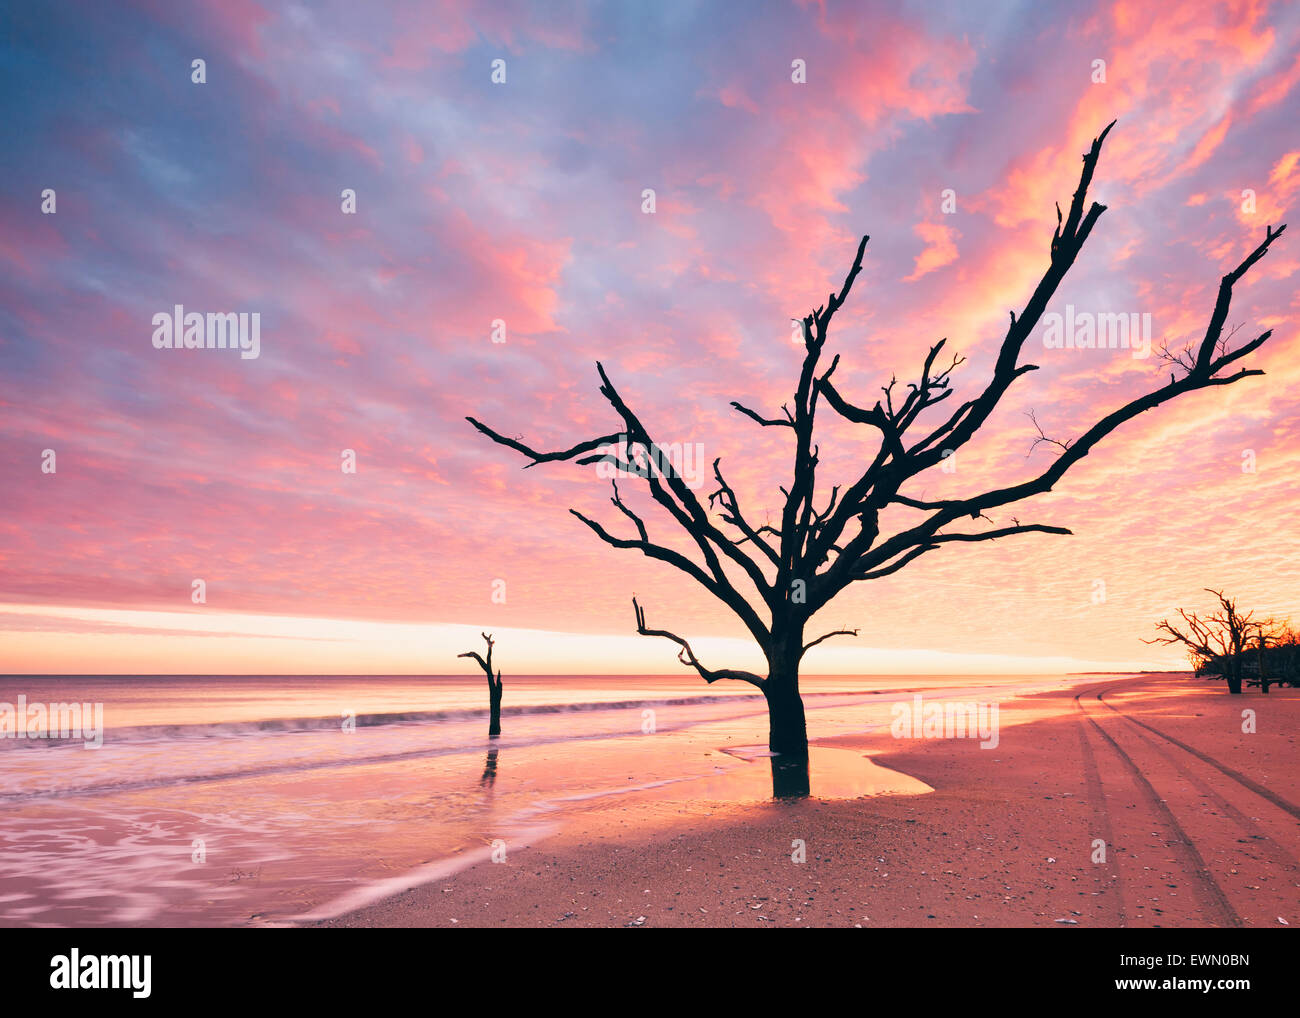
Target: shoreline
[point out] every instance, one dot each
(842, 773)
(1008, 837)
(256, 824)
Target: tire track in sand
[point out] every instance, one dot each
(1194, 866)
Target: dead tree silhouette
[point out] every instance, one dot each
(1267, 633)
(798, 568)
(494, 685)
(1220, 640)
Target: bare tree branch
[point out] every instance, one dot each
(826, 636)
(687, 657)
(767, 422)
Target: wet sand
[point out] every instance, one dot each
(1136, 803)
(237, 800)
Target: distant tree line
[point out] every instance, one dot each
(1236, 645)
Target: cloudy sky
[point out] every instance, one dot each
(522, 201)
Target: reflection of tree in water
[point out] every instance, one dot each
(489, 770)
(790, 778)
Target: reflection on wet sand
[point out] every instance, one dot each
(790, 778)
(489, 770)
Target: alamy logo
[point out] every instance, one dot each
(1102, 331)
(946, 720)
(182, 330)
(634, 459)
(25, 720)
(102, 972)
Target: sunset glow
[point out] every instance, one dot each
(523, 204)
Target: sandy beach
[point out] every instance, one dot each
(1197, 820)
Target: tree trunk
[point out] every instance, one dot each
(790, 778)
(1234, 681)
(494, 705)
(787, 727)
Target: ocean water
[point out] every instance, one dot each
(235, 800)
